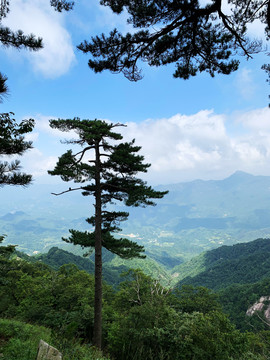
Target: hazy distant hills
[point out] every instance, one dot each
(113, 267)
(200, 215)
(194, 217)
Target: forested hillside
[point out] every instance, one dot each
(236, 299)
(142, 319)
(113, 266)
(239, 275)
(243, 263)
(175, 281)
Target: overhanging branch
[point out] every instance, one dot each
(70, 189)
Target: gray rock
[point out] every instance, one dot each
(47, 352)
(261, 305)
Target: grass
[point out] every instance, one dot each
(19, 341)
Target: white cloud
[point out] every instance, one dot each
(256, 30)
(245, 83)
(33, 136)
(37, 163)
(39, 18)
(42, 125)
(180, 148)
(201, 146)
(256, 120)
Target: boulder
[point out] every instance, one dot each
(47, 352)
(262, 305)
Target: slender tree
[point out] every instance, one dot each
(194, 35)
(106, 168)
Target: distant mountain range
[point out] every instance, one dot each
(194, 217)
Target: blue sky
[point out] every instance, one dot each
(200, 128)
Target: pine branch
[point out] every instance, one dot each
(19, 40)
(66, 191)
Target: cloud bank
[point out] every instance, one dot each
(39, 18)
(183, 148)
(204, 145)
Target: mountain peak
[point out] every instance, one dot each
(239, 177)
(241, 174)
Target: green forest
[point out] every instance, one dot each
(142, 319)
(134, 292)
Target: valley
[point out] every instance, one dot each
(194, 217)
(207, 242)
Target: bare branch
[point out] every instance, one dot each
(70, 189)
(81, 153)
(118, 124)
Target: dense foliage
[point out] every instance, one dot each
(19, 341)
(142, 319)
(195, 36)
(238, 298)
(107, 169)
(56, 257)
(243, 263)
(12, 142)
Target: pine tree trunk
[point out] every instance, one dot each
(98, 258)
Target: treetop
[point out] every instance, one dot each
(196, 37)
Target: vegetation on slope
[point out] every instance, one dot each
(113, 266)
(19, 341)
(243, 263)
(238, 298)
(141, 320)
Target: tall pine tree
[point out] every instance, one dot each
(106, 168)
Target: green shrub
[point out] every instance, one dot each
(19, 341)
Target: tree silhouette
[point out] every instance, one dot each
(106, 171)
(193, 36)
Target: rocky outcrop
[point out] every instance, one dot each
(47, 352)
(262, 305)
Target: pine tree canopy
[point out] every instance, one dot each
(61, 5)
(107, 168)
(118, 182)
(12, 142)
(194, 36)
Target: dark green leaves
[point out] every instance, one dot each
(108, 171)
(12, 142)
(19, 40)
(11, 135)
(122, 247)
(3, 86)
(61, 5)
(195, 38)
(69, 168)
